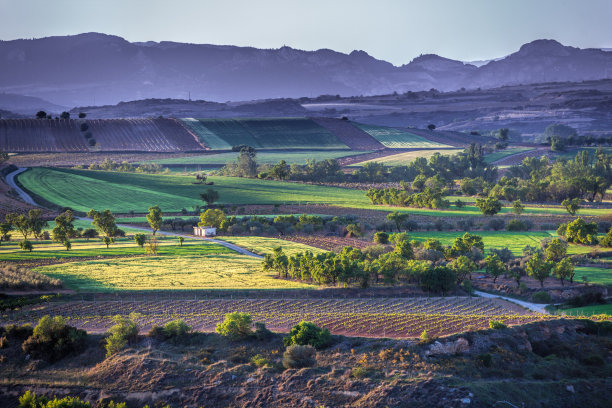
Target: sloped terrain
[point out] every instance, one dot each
(350, 135)
(40, 135)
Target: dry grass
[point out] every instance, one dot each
(16, 277)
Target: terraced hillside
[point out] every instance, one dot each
(398, 139)
(277, 133)
(41, 135)
(351, 135)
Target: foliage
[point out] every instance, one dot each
(30, 400)
(104, 222)
(463, 268)
(541, 297)
(564, 269)
(26, 245)
(299, 356)
(488, 206)
(438, 279)
(381, 238)
(398, 218)
(555, 249)
(607, 240)
(210, 196)
(236, 326)
(538, 267)
(155, 218)
(517, 225)
(124, 331)
(496, 325)
(307, 333)
(579, 232)
(572, 205)
(517, 207)
(53, 339)
(494, 266)
(211, 218)
(64, 228)
(140, 239)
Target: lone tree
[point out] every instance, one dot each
(210, 196)
(488, 206)
(41, 115)
(398, 218)
(82, 115)
(155, 218)
(517, 207)
(539, 268)
(572, 206)
(281, 170)
(65, 115)
(105, 223)
(431, 126)
(140, 239)
(211, 218)
(64, 229)
(26, 245)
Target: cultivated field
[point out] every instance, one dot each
(397, 139)
(402, 159)
(501, 154)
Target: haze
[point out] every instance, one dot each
(393, 30)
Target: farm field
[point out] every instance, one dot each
(515, 241)
(398, 139)
(274, 133)
(570, 154)
(492, 157)
(589, 310)
(402, 159)
(262, 157)
(600, 276)
(358, 317)
(264, 245)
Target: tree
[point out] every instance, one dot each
(5, 229)
(431, 126)
(209, 196)
(41, 115)
(572, 206)
(211, 218)
(517, 207)
(36, 223)
(276, 262)
(140, 239)
(89, 233)
(502, 134)
(308, 334)
(104, 222)
(494, 266)
(580, 232)
(398, 218)
(247, 164)
(64, 229)
(236, 326)
(281, 170)
(26, 245)
(155, 218)
(353, 230)
(181, 240)
(605, 242)
(123, 332)
(564, 270)
(381, 237)
(488, 206)
(539, 268)
(65, 115)
(108, 240)
(438, 279)
(82, 115)
(463, 268)
(555, 250)
(20, 222)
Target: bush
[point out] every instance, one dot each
(52, 339)
(518, 225)
(261, 332)
(175, 331)
(541, 297)
(19, 332)
(236, 326)
(298, 356)
(485, 359)
(307, 333)
(439, 279)
(123, 332)
(381, 238)
(30, 400)
(260, 361)
(496, 224)
(496, 325)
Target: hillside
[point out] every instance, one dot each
(76, 70)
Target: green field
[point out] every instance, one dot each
(82, 190)
(491, 157)
(601, 276)
(397, 139)
(262, 157)
(515, 241)
(277, 133)
(570, 154)
(263, 245)
(588, 310)
(402, 159)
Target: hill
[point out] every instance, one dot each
(74, 70)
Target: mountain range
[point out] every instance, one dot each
(94, 69)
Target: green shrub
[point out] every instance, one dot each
(381, 238)
(541, 297)
(52, 339)
(424, 336)
(19, 332)
(360, 371)
(261, 332)
(496, 325)
(236, 326)
(176, 329)
(485, 359)
(260, 361)
(123, 332)
(297, 356)
(30, 400)
(307, 333)
(517, 225)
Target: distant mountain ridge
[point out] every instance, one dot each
(95, 69)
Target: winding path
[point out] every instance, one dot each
(10, 180)
(535, 307)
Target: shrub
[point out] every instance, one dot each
(260, 361)
(30, 400)
(19, 332)
(381, 238)
(261, 332)
(123, 332)
(26, 245)
(175, 331)
(298, 356)
(52, 339)
(496, 325)
(496, 224)
(424, 336)
(541, 297)
(439, 279)
(485, 359)
(307, 333)
(236, 326)
(517, 225)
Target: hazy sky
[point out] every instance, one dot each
(394, 30)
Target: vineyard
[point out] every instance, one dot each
(349, 134)
(41, 135)
(402, 159)
(388, 317)
(398, 139)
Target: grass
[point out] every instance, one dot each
(263, 245)
(498, 155)
(570, 153)
(407, 157)
(179, 272)
(397, 139)
(262, 157)
(589, 310)
(270, 133)
(82, 190)
(601, 276)
(515, 241)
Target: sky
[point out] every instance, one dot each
(394, 30)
